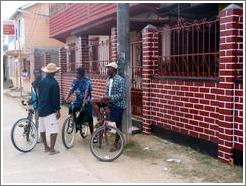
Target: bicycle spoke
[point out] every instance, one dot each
(106, 140)
(24, 135)
(68, 132)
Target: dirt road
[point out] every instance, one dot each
(144, 161)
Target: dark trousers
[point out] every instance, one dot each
(73, 108)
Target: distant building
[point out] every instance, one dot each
(32, 24)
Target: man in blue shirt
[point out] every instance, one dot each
(81, 86)
(49, 106)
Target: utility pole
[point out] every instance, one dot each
(125, 70)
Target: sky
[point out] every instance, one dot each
(8, 8)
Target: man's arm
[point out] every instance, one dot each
(55, 97)
(87, 91)
(71, 90)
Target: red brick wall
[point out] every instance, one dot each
(231, 58)
(232, 55)
(67, 78)
(239, 87)
(185, 107)
(211, 111)
(98, 86)
(238, 123)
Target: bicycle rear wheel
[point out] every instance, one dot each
(105, 139)
(24, 135)
(68, 132)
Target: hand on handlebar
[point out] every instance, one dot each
(68, 101)
(104, 110)
(105, 100)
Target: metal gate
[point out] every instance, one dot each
(136, 91)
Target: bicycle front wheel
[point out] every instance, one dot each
(68, 132)
(107, 143)
(24, 135)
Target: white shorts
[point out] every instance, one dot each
(48, 124)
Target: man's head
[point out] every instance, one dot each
(112, 69)
(80, 72)
(50, 69)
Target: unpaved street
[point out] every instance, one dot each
(144, 161)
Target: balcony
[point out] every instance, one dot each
(68, 17)
(55, 8)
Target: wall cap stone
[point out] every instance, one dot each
(231, 7)
(149, 28)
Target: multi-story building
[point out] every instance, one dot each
(186, 65)
(32, 47)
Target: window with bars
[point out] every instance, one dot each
(190, 49)
(71, 57)
(99, 55)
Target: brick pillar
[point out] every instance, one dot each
(113, 44)
(63, 66)
(85, 53)
(229, 47)
(150, 59)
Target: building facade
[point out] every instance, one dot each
(32, 37)
(186, 60)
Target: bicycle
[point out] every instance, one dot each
(24, 133)
(105, 136)
(71, 126)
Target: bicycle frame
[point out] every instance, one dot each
(104, 125)
(28, 127)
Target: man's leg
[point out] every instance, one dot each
(117, 137)
(52, 128)
(52, 144)
(89, 112)
(42, 129)
(46, 147)
(117, 115)
(91, 127)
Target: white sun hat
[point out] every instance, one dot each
(50, 68)
(113, 64)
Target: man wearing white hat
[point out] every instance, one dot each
(49, 107)
(115, 98)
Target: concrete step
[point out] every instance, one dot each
(135, 130)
